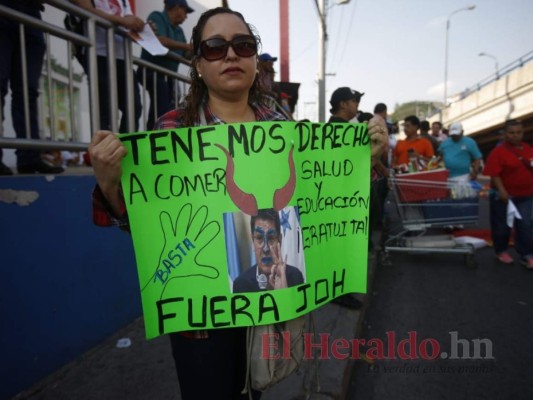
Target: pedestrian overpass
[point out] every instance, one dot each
(484, 107)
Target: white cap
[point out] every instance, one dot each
(456, 128)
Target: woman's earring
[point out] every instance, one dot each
(199, 75)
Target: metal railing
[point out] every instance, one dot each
(89, 41)
(498, 74)
(506, 70)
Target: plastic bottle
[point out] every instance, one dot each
(413, 162)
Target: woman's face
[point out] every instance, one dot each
(232, 75)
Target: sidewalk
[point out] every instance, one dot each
(145, 369)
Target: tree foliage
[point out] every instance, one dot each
(422, 109)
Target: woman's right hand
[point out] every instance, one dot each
(107, 152)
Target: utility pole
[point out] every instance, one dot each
(284, 40)
(322, 7)
(322, 39)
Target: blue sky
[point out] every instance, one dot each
(393, 50)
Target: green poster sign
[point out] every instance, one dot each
(243, 224)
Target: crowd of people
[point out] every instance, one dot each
(509, 166)
(231, 82)
(161, 89)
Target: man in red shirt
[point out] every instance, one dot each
(510, 166)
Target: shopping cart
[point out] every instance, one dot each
(422, 201)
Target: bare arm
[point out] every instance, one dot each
(475, 168)
(170, 43)
(107, 152)
(428, 152)
(174, 44)
(498, 184)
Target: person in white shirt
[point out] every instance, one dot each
(118, 12)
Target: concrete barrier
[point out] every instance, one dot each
(65, 284)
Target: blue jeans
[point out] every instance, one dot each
(11, 76)
(501, 232)
(104, 97)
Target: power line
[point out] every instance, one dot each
(315, 5)
(337, 38)
(349, 33)
(314, 42)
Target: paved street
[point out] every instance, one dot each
(437, 297)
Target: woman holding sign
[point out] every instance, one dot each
(224, 89)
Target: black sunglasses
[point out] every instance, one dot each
(217, 48)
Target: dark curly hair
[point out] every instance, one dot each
(198, 90)
(268, 214)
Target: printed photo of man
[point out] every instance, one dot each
(271, 270)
